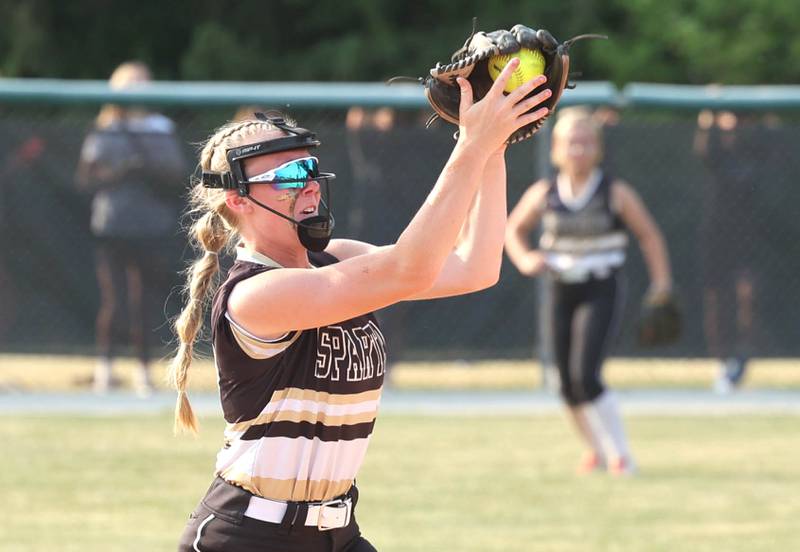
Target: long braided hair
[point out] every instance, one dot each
(214, 229)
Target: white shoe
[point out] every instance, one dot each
(722, 384)
(144, 391)
(550, 380)
(101, 381)
(100, 387)
(142, 385)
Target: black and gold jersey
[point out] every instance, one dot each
(582, 236)
(300, 408)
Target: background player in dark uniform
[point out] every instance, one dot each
(299, 353)
(584, 213)
(733, 151)
(133, 165)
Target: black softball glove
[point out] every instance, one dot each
(471, 62)
(660, 321)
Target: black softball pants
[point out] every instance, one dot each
(585, 320)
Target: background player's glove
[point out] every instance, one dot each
(660, 320)
(471, 62)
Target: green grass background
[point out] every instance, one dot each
(451, 483)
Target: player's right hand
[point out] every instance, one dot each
(532, 264)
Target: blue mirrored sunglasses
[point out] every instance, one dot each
(292, 175)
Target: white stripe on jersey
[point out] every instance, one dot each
(310, 459)
(585, 245)
(298, 459)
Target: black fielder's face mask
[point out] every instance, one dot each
(313, 232)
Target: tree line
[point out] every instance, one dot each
(676, 41)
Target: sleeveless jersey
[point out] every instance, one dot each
(582, 237)
(300, 408)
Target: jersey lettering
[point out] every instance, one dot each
(330, 353)
(377, 350)
(359, 352)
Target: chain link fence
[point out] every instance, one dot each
(725, 199)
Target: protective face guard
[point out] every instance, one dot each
(314, 232)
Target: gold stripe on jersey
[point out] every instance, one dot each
(346, 406)
(299, 490)
(324, 397)
(328, 420)
(240, 479)
(260, 349)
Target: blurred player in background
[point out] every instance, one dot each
(133, 165)
(584, 215)
(299, 353)
(734, 159)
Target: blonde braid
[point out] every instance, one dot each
(211, 233)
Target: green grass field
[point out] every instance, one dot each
(450, 483)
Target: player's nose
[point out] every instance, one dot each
(311, 188)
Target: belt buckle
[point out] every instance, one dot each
(334, 514)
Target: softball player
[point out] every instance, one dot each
(735, 156)
(132, 163)
(584, 214)
(299, 353)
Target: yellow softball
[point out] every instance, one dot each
(531, 65)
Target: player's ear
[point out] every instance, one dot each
(237, 203)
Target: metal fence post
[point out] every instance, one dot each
(543, 295)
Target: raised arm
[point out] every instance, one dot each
(521, 222)
(638, 219)
(294, 299)
(475, 262)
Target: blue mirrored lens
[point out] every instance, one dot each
(294, 175)
(301, 169)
